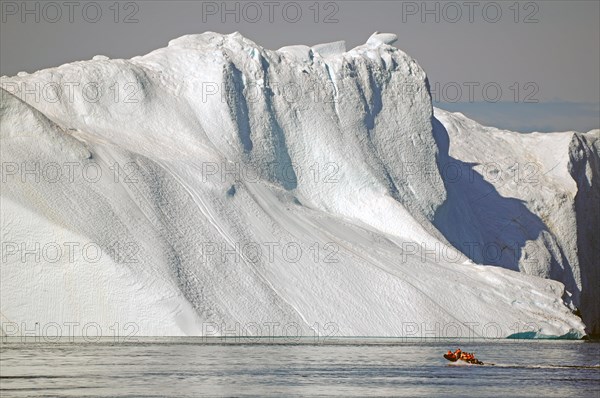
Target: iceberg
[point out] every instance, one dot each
(214, 187)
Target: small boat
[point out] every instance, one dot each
(459, 356)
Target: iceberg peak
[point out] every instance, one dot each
(382, 38)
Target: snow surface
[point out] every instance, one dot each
(226, 147)
(533, 195)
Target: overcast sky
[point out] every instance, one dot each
(546, 51)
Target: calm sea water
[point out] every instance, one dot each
(350, 367)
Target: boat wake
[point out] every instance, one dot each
(520, 366)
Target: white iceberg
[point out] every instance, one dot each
(220, 185)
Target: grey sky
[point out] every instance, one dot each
(550, 49)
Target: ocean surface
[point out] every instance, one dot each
(196, 367)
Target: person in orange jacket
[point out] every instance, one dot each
(458, 353)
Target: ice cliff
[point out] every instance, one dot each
(215, 185)
(527, 202)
